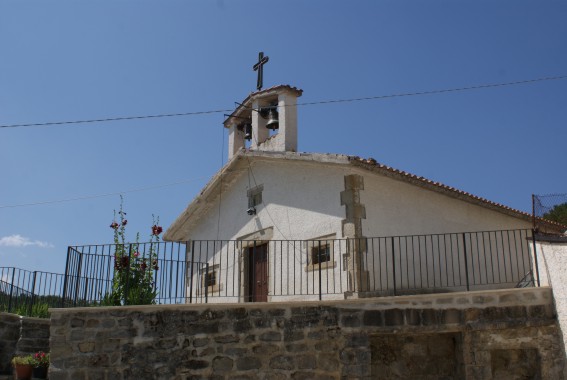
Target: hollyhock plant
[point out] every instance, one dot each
(133, 281)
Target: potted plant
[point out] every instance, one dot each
(23, 366)
(40, 361)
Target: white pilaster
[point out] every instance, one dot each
(235, 140)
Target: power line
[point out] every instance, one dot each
(79, 198)
(378, 97)
(458, 89)
(114, 119)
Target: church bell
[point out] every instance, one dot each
(273, 122)
(248, 131)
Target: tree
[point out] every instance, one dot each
(557, 214)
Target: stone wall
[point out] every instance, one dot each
(21, 336)
(9, 335)
(502, 334)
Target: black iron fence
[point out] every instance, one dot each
(275, 270)
(29, 293)
(234, 271)
(257, 271)
(92, 272)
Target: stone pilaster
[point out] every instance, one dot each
(355, 211)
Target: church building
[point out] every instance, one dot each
(275, 224)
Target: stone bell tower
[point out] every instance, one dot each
(267, 119)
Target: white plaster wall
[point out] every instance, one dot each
(301, 201)
(553, 272)
(396, 208)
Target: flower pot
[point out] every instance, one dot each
(40, 372)
(23, 371)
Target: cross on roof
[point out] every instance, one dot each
(259, 67)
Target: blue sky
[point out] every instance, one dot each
(69, 60)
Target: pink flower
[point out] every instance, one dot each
(114, 226)
(136, 254)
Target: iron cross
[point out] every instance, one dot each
(259, 67)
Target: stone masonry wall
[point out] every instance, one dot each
(503, 334)
(9, 335)
(21, 336)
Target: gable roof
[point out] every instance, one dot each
(240, 162)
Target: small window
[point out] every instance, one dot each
(210, 280)
(320, 252)
(255, 196)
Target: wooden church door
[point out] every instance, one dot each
(258, 273)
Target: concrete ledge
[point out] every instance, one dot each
(457, 300)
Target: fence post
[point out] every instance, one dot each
(192, 270)
(466, 261)
(77, 282)
(533, 213)
(393, 264)
(32, 293)
(535, 256)
(320, 282)
(127, 290)
(66, 277)
(206, 283)
(11, 290)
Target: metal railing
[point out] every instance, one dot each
(275, 270)
(91, 270)
(29, 293)
(280, 270)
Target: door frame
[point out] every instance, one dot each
(245, 265)
(247, 241)
(251, 265)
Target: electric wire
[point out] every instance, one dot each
(330, 101)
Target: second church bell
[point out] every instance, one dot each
(272, 115)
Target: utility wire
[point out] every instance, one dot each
(115, 119)
(379, 97)
(103, 195)
(458, 89)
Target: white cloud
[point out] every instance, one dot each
(22, 241)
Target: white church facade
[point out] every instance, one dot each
(275, 224)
